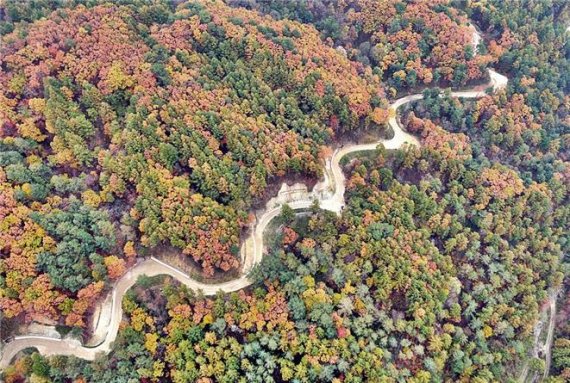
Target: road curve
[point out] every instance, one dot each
(329, 193)
(330, 196)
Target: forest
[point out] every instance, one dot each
(152, 128)
(132, 127)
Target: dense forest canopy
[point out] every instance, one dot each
(409, 43)
(128, 127)
(162, 127)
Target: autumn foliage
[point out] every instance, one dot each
(123, 127)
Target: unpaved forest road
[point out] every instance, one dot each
(545, 347)
(329, 193)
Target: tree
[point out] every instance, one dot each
(287, 214)
(81, 232)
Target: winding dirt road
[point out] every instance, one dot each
(329, 193)
(542, 348)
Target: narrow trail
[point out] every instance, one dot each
(542, 348)
(329, 193)
(547, 346)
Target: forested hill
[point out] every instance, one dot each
(126, 127)
(132, 127)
